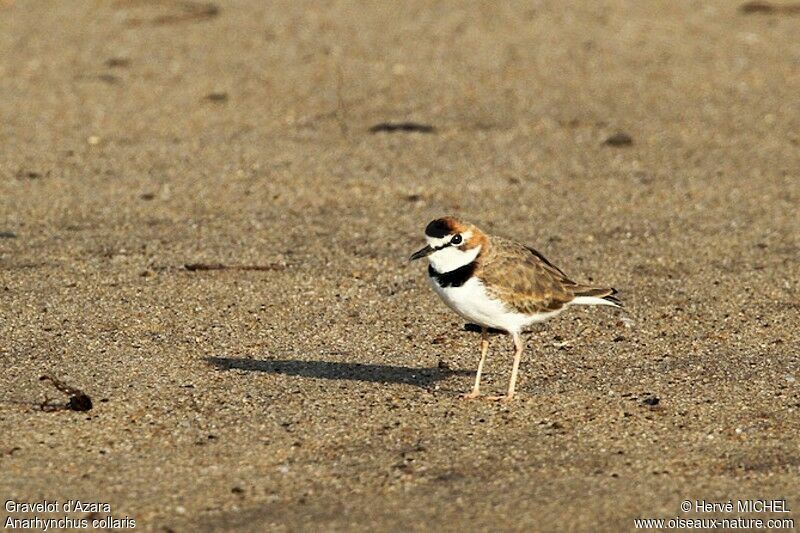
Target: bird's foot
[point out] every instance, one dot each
(502, 399)
(471, 395)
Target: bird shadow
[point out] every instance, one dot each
(372, 373)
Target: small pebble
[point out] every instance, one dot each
(117, 62)
(651, 400)
(619, 139)
(217, 97)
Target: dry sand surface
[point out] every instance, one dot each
(319, 390)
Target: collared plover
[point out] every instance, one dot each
(499, 283)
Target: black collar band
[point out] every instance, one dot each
(454, 278)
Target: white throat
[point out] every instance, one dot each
(451, 258)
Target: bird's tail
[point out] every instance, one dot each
(585, 295)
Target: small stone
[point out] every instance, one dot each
(29, 174)
(217, 97)
(651, 400)
(117, 62)
(93, 140)
(756, 7)
(619, 139)
(8, 235)
(80, 402)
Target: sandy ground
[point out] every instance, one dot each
(321, 391)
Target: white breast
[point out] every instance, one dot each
(472, 302)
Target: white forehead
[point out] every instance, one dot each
(436, 242)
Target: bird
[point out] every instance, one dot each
(500, 284)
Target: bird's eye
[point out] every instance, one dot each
(456, 240)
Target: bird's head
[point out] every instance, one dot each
(452, 243)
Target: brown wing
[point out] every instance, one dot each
(523, 278)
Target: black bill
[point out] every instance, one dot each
(419, 254)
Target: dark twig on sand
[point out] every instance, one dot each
(759, 7)
(405, 127)
(78, 400)
(195, 267)
(181, 12)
